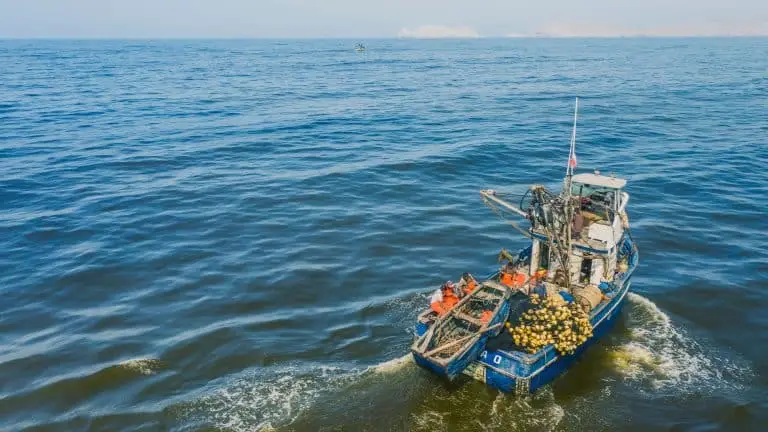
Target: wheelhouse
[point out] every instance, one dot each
(597, 230)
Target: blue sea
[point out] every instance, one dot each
(216, 235)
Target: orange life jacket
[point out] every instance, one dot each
(470, 286)
(486, 316)
(442, 307)
(514, 280)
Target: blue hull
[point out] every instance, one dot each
(520, 372)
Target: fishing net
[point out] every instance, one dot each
(552, 322)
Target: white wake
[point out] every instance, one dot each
(667, 357)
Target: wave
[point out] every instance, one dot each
(69, 392)
(143, 366)
(666, 357)
(269, 399)
(495, 412)
(394, 365)
(264, 402)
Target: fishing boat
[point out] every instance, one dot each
(457, 338)
(359, 47)
(571, 280)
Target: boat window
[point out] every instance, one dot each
(586, 270)
(597, 202)
(544, 256)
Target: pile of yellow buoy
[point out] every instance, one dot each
(552, 321)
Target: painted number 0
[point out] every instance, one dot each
(496, 358)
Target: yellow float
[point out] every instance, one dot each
(552, 322)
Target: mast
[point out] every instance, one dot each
(549, 213)
(571, 164)
(569, 213)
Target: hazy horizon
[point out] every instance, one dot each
(377, 19)
(363, 38)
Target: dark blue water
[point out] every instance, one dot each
(238, 235)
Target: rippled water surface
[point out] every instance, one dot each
(238, 235)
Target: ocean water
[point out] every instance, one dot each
(238, 235)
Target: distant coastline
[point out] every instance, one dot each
(587, 31)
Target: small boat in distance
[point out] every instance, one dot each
(359, 47)
(565, 289)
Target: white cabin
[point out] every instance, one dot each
(597, 232)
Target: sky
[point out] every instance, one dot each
(378, 18)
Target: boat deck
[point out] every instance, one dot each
(518, 304)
